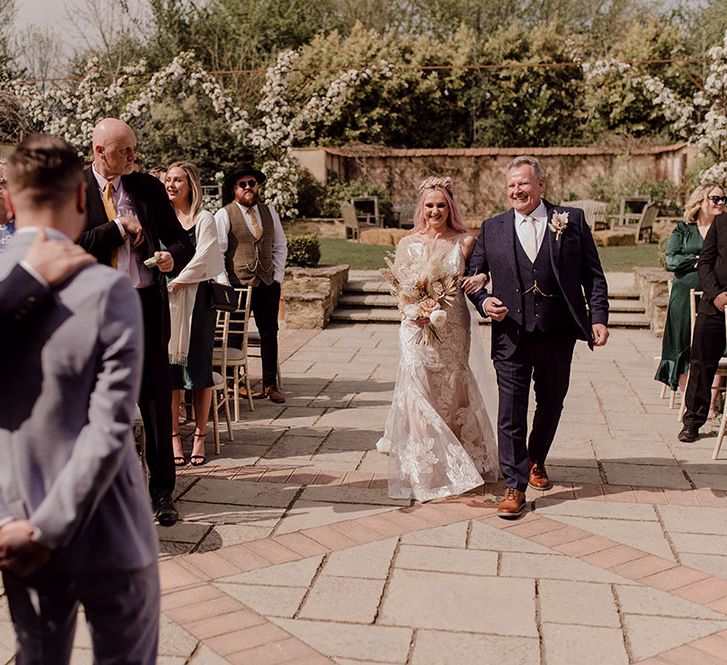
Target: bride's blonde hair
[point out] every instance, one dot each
(445, 185)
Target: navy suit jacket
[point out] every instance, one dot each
(712, 265)
(574, 260)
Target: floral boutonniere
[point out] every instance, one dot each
(558, 223)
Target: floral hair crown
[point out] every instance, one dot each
(435, 182)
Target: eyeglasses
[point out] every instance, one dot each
(718, 199)
(246, 183)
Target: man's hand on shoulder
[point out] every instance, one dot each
(721, 301)
(19, 553)
(600, 334)
(56, 260)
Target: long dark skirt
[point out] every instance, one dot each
(198, 372)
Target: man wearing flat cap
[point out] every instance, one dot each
(255, 249)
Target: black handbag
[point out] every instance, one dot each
(223, 297)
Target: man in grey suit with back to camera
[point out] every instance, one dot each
(75, 526)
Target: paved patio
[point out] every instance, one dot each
(290, 552)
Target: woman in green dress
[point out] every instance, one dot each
(682, 253)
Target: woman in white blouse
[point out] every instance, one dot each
(192, 314)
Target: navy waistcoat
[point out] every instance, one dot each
(540, 312)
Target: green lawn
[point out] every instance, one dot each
(371, 257)
(623, 259)
(357, 255)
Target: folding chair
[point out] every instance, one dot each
(231, 355)
(220, 394)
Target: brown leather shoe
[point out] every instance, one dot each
(275, 394)
(538, 479)
(512, 504)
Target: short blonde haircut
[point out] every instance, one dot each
(195, 184)
(694, 204)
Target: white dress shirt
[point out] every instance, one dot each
(129, 259)
(523, 227)
(280, 243)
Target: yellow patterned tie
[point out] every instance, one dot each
(110, 208)
(257, 229)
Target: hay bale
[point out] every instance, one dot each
(377, 237)
(398, 234)
(614, 238)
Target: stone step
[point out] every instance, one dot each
(366, 286)
(625, 305)
(369, 300)
(375, 286)
(367, 314)
(628, 320)
(366, 300)
(623, 295)
(390, 315)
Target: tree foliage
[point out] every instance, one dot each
(444, 72)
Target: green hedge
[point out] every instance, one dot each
(304, 251)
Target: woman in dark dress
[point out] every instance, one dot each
(192, 315)
(682, 253)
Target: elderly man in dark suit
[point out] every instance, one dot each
(75, 526)
(548, 290)
(129, 216)
(708, 342)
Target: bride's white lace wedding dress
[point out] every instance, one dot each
(438, 434)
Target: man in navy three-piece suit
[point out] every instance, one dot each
(548, 290)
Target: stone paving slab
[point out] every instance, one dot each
(578, 603)
(438, 647)
(565, 645)
(459, 603)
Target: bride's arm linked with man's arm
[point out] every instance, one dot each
(486, 304)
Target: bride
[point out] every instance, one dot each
(437, 432)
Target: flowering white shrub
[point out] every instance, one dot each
(73, 110)
(701, 120)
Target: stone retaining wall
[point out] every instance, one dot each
(653, 285)
(311, 294)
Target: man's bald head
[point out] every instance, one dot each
(114, 148)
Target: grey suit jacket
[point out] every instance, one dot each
(71, 380)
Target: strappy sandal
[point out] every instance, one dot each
(198, 460)
(178, 459)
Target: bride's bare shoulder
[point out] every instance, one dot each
(467, 243)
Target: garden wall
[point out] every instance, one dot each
(479, 172)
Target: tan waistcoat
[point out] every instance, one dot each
(249, 260)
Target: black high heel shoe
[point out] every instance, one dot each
(178, 459)
(198, 460)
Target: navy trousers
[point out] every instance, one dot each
(544, 358)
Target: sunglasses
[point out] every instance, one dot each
(718, 199)
(246, 183)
